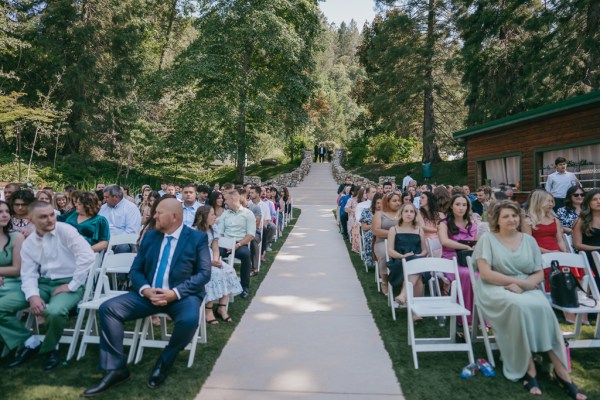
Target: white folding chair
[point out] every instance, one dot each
(112, 263)
(147, 340)
(478, 320)
(587, 305)
(569, 242)
(124, 238)
(452, 306)
(391, 301)
(434, 249)
(377, 276)
(259, 245)
(71, 335)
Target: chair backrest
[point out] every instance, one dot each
(387, 256)
(577, 261)
(426, 264)
(569, 242)
(112, 263)
(472, 276)
(593, 287)
(124, 238)
(91, 278)
(434, 247)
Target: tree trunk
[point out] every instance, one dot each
(593, 21)
(167, 34)
(430, 150)
(241, 141)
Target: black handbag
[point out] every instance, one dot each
(563, 286)
(461, 256)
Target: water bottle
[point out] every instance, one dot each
(469, 371)
(485, 368)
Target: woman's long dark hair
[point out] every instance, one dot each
(201, 218)
(452, 228)
(6, 230)
(568, 200)
(374, 201)
(431, 212)
(212, 199)
(586, 215)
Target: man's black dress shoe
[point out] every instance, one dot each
(51, 361)
(25, 354)
(244, 294)
(158, 375)
(112, 378)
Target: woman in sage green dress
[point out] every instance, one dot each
(510, 273)
(10, 253)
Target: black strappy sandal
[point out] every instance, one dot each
(212, 321)
(569, 387)
(530, 382)
(228, 319)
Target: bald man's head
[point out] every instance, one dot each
(168, 216)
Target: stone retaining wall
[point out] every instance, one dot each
(292, 179)
(340, 174)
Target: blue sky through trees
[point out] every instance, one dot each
(345, 10)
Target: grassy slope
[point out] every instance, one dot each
(70, 380)
(446, 172)
(438, 375)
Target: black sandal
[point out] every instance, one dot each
(530, 382)
(571, 389)
(212, 321)
(228, 319)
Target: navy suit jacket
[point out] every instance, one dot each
(190, 265)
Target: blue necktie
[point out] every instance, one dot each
(162, 266)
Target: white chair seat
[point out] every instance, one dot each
(437, 306)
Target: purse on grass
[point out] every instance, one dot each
(563, 286)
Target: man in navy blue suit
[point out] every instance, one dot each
(168, 276)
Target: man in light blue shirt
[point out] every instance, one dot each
(559, 182)
(190, 205)
(123, 216)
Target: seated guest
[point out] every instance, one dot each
(586, 231)
(407, 198)
(287, 199)
(127, 193)
(55, 261)
(93, 227)
(223, 278)
(146, 189)
(567, 214)
(147, 203)
(62, 203)
(366, 221)
(10, 189)
(406, 240)
(429, 215)
(238, 223)
(122, 215)
(189, 204)
(459, 226)
(19, 202)
(382, 222)
(510, 273)
(268, 226)
(168, 276)
(217, 202)
(257, 212)
(442, 197)
(10, 253)
(203, 192)
(482, 202)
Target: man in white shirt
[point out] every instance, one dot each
(123, 216)
(560, 181)
(55, 261)
(190, 205)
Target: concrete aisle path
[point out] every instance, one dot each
(308, 333)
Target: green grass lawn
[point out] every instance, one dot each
(445, 172)
(29, 381)
(438, 376)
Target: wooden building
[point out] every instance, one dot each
(520, 150)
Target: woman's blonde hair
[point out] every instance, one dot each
(494, 213)
(415, 222)
(534, 206)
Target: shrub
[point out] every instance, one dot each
(388, 149)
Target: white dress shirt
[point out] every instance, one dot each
(189, 213)
(165, 283)
(61, 253)
(123, 218)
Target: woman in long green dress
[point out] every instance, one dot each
(10, 253)
(510, 268)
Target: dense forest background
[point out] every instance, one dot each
(147, 84)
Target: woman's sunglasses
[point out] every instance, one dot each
(578, 194)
